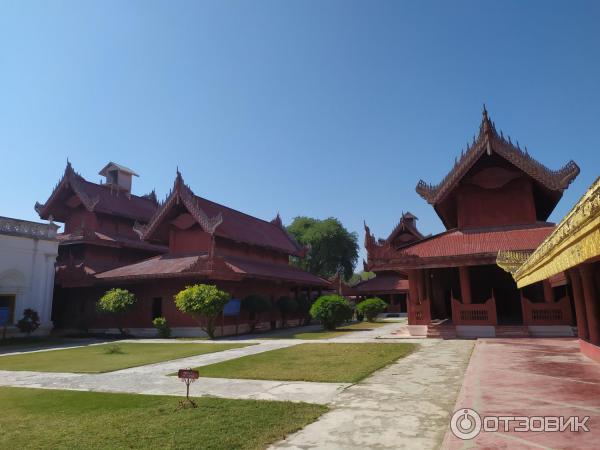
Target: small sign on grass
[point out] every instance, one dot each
(188, 376)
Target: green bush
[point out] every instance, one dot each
(286, 306)
(371, 307)
(30, 321)
(202, 301)
(164, 330)
(116, 302)
(255, 304)
(331, 311)
(304, 305)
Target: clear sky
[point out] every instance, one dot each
(319, 108)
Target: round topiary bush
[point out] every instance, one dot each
(204, 302)
(117, 302)
(163, 328)
(287, 306)
(255, 304)
(371, 307)
(331, 311)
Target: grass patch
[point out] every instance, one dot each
(326, 334)
(344, 363)
(106, 357)
(86, 420)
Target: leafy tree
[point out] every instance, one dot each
(286, 306)
(117, 302)
(371, 307)
(331, 246)
(361, 276)
(30, 321)
(255, 304)
(331, 311)
(203, 301)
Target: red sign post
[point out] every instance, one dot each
(188, 376)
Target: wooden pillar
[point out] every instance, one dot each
(465, 284)
(420, 285)
(580, 314)
(413, 292)
(591, 302)
(548, 294)
(309, 294)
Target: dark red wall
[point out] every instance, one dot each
(510, 204)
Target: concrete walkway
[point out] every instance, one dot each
(404, 406)
(154, 379)
(531, 377)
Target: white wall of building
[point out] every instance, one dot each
(28, 253)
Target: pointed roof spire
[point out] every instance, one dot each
(277, 220)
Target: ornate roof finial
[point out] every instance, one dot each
(277, 220)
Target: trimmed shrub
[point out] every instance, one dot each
(331, 311)
(116, 302)
(286, 306)
(371, 307)
(164, 330)
(304, 305)
(202, 301)
(30, 321)
(255, 304)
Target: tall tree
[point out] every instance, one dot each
(331, 246)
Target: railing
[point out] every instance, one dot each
(557, 313)
(474, 313)
(419, 313)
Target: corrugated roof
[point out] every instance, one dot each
(261, 269)
(163, 265)
(472, 242)
(188, 265)
(383, 282)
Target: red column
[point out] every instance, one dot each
(548, 294)
(591, 302)
(580, 315)
(465, 284)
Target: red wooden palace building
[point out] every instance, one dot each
(495, 198)
(391, 286)
(113, 238)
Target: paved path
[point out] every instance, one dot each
(404, 406)
(154, 379)
(531, 377)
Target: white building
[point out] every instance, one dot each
(28, 252)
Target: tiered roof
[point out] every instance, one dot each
(216, 267)
(97, 198)
(458, 247)
(222, 221)
(488, 141)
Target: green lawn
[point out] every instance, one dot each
(96, 358)
(325, 334)
(311, 362)
(39, 418)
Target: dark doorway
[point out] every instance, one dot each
(506, 293)
(156, 307)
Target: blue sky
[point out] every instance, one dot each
(319, 108)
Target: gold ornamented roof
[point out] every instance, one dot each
(575, 240)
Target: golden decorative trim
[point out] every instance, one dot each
(575, 240)
(511, 260)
